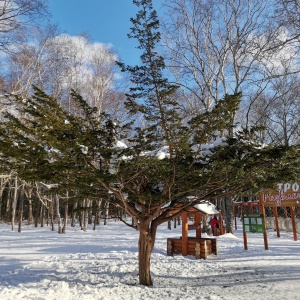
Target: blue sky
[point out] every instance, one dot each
(106, 21)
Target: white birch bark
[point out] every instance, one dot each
(58, 214)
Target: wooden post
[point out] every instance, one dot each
(198, 223)
(251, 207)
(245, 240)
(184, 234)
(292, 209)
(265, 227)
(276, 220)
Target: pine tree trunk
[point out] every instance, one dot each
(179, 221)
(169, 225)
(47, 217)
(37, 214)
(65, 219)
(84, 216)
(145, 249)
(22, 194)
(4, 182)
(30, 213)
(205, 224)
(14, 206)
(223, 208)
(106, 209)
(90, 211)
(66, 214)
(80, 215)
(7, 214)
(73, 217)
(42, 214)
(229, 215)
(97, 213)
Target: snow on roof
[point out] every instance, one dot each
(207, 208)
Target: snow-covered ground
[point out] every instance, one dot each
(39, 264)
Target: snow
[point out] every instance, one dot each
(84, 149)
(39, 264)
(221, 141)
(120, 145)
(114, 161)
(207, 208)
(160, 153)
(163, 153)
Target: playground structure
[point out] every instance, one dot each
(197, 246)
(280, 215)
(280, 209)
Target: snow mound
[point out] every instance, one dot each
(228, 236)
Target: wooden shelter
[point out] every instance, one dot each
(198, 246)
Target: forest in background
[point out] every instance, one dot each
(211, 113)
(210, 47)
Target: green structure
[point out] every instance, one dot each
(253, 223)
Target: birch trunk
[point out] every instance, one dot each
(37, 214)
(66, 214)
(58, 214)
(97, 213)
(51, 212)
(30, 213)
(106, 210)
(84, 215)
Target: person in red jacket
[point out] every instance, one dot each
(214, 223)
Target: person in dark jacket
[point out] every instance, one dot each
(214, 223)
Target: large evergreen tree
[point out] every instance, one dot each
(166, 160)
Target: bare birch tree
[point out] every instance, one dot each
(16, 16)
(281, 114)
(58, 63)
(32, 62)
(226, 46)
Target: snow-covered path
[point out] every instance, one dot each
(42, 265)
